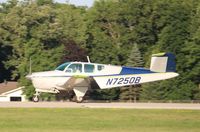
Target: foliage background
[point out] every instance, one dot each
(51, 33)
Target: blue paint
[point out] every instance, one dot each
(129, 70)
(171, 64)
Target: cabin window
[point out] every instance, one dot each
(100, 67)
(62, 67)
(74, 68)
(88, 68)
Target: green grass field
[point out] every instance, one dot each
(95, 120)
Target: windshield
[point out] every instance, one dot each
(63, 66)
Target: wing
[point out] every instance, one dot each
(75, 82)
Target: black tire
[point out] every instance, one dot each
(35, 98)
(79, 100)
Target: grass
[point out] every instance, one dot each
(96, 120)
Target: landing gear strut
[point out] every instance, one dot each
(36, 97)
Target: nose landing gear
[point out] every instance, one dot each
(36, 97)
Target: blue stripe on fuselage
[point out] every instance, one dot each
(130, 70)
(124, 71)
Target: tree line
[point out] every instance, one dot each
(119, 32)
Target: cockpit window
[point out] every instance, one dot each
(100, 67)
(62, 67)
(74, 68)
(89, 68)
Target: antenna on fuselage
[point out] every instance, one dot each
(88, 58)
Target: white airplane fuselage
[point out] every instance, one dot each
(109, 77)
(48, 81)
(77, 75)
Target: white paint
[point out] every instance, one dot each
(51, 81)
(80, 91)
(5, 97)
(158, 64)
(103, 81)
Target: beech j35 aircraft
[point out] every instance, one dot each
(78, 76)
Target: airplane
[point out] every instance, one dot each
(79, 75)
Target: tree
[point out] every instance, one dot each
(48, 32)
(107, 41)
(134, 60)
(35, 31)
(44, 2)
(5, 73)
(104, 39)
(73, 52)
(162, 91)
(174, 26)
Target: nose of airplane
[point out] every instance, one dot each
(29, 76)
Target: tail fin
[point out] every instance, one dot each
(163, 62)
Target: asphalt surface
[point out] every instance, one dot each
(188, 106)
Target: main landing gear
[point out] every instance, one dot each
(80, 92)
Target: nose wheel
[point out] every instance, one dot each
(36, 97)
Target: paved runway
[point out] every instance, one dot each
(100, 105)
